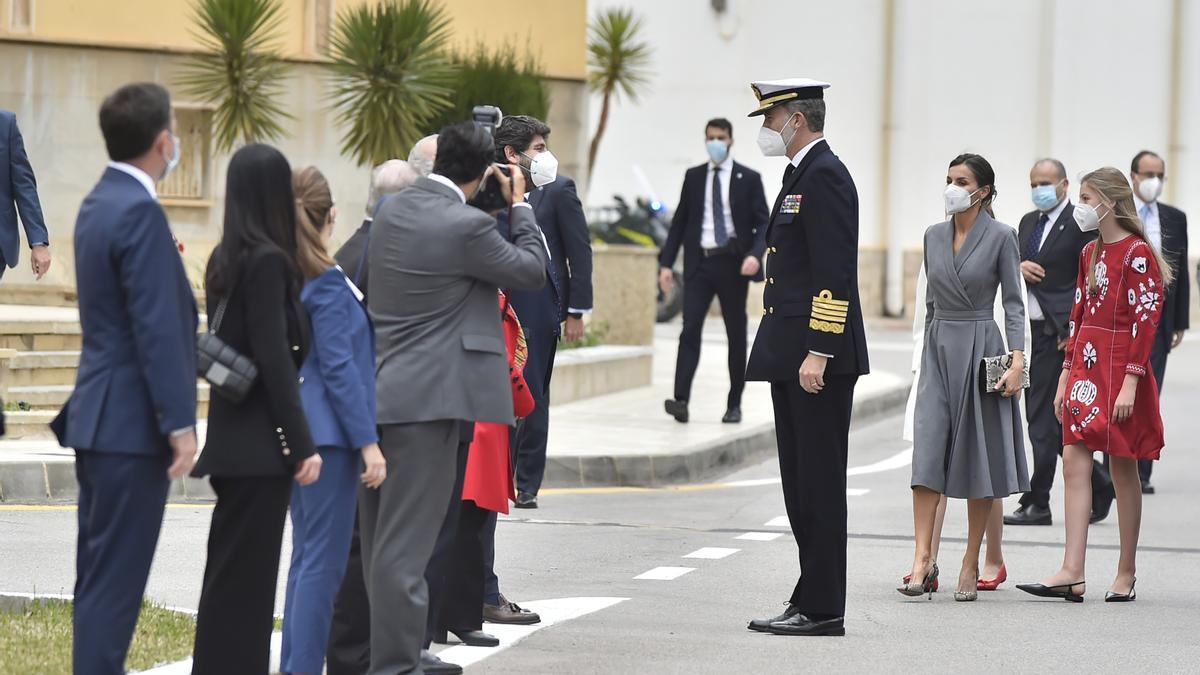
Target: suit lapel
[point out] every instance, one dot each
(972, 242)
(535, 197)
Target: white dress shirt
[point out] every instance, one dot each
(1150, 221)
(1035, 310)
(141, 176)
(708, 232)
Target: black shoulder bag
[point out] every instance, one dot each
(228, 372)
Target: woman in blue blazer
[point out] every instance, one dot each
(337, 388)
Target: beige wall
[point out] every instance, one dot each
(554, 31)
(56, 92)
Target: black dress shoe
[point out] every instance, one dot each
(526, 500)
(732, 416)
(676, 409)
(1147, 488)
(1061, 591)
(804, 626)
(470, 638)
(432, 665)
(1030, 514)
(1102, 503)
(764, 625)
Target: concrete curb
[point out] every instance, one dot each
(42, 482)
(698, 462)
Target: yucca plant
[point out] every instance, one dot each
(618, 63)
(391, 76)
(501, 78)
(241, 73)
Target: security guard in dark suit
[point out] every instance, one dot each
(810, 345)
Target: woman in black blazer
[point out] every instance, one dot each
(256, 447)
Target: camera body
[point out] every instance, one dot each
(489, 198)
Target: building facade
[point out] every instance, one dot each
(60, 58)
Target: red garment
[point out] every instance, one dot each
(1111, 334)
(489, 477)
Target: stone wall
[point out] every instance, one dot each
(623, 279)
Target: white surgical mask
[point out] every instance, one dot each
(772, 143)
(1086, 217)
(1149, 189)
(543, 168)
(958, 199)
(173, 160)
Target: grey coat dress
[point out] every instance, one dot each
(969, 445)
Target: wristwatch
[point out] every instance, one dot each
(575, 315)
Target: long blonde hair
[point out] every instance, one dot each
(1112, 186)
(314, 201)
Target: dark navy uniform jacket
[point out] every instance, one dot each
(810, 300)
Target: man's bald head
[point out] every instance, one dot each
(392, 176)
(422, 155)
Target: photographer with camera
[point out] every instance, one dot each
(435, 266)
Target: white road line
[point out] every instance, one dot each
(781, 521)
(759, 536)
(712, 553)
(553, 612)
(665, 573)
(899, 460)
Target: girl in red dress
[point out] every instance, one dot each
(1107, 400)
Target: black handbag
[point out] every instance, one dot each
(228, 372)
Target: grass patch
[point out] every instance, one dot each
(37, 639)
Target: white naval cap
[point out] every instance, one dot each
(771, 93)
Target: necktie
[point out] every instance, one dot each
(718, 209)
(1144, 213)
(787, 171)
(1035, 239)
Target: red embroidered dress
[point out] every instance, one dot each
(1111, 334)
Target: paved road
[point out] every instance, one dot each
(593, 544)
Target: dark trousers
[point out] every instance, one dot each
(237, 600)
(399, 525)
(322, 521)
(719, 276)
(121, 501)
(534, 430)
(813, 433)
(349, 649)
(437, 571)
(1158, 363)
(462, 603)
(1045, 431)
(491, 582)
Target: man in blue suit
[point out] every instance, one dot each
(521, 140)
(132, 416)
(18, 191)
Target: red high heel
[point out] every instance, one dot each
(992, 584)
(908, 579)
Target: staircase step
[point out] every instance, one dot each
(28, 424)
(52, 397)
(32, 369)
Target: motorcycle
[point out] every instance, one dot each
(646, 223)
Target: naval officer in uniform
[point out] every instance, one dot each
(810, 345)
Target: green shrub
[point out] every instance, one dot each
(494, 77)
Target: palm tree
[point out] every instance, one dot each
(617, 63)
(242, 72)
(391, 76)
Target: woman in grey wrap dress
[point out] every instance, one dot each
(968, 444)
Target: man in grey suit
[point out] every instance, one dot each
(436, 265)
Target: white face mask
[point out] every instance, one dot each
(1086, 217)
(173, 160)
(772, 143)
(543, 168)
(958, 199)
(1149, 189)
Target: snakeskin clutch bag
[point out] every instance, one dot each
(992, 368)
